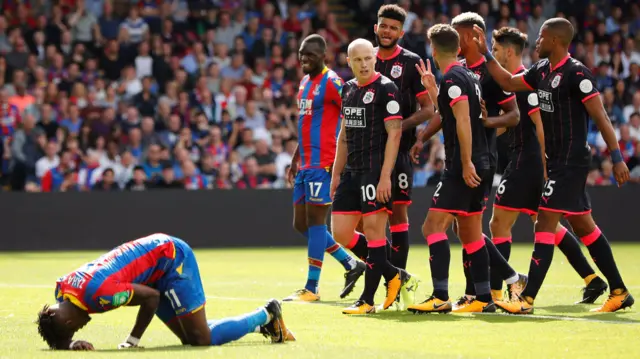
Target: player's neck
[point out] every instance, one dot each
(473, 58)
(446, 63)
(514, 65)
(556, 57)
(385, 53)
(365, 81)
(317, 72)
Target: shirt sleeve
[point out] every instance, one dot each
(532, 102)
(583, 84)
(454, 90)
(501, 96)
(530, 77)
(112, 294)
(390, 103)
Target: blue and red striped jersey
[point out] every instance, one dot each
(319, 106)
(105, 283)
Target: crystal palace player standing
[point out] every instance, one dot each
(319, 105)
(361, 181)
(399, 65)
(522, 184)
(568, 97)
(466, 178)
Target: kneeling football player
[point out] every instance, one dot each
(160, 274)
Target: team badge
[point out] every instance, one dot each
(316, 90)
(556, 81)
(368, 97)
(396, 71)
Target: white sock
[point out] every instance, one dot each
(257, 330)
(512, 279)
(470, 297)
(352, 263)
(268, 316)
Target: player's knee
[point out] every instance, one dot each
(317, 215)
(374, 228)
(497, 226)
(582, 225)
(399, 216)
(434, 224)
(547, 221)
(199, 338)
(300, 225)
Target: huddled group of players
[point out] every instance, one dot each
(356, 146)
(358, 140)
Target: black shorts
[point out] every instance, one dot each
(566, 191)
(356, 194)
(402, 179)
(520, 189)
(452, 194)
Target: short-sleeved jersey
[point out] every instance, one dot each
(523, 140)
(400, 67)
(562, 91)
(458, 83)
(365, 109)
(105, 283)
(494, 97)
(319, 104)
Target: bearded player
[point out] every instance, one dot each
(158, 273)
(568, 98)
(319, 118)
(522, 184)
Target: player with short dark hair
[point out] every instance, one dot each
(160, 274)
(319, 104)
(522, 183)
(461, 192)
(568, 97)
(361, 180)
(399, 65)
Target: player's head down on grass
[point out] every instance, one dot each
(58, 323)
(445, 42)
(555, 36)
(508, 43)
(463, 24)
(312, 54)
(388, 30)
(362, 60)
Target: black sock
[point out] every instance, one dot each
(498, 263)
(359, 246)
(400, 246)
(479, 265)
(540, 262)
(376, 260)
(439, 260)
(470, 288)
(503, 245)
(570, 247)
(602, 255)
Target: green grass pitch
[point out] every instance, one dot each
(237, 281)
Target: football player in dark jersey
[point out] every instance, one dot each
(461, 192)
(366, 153)
(522, 184)
(568, 97)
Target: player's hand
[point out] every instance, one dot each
(81, 345)
(426, 76)
(384, 190)
(621, 173)
(292, 172)
(485, 113)
(416, 151)
(335, 181)
(480, 39)
(470, 176)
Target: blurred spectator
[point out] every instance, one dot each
(168, 179)
(209, 88)
(107, 183)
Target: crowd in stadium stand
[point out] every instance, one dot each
(109, 95)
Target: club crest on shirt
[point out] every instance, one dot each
(556, 81)
(316, 90)
(396, 71)
(368, 96)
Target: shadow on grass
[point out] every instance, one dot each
(575, 308)
(177, 347)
